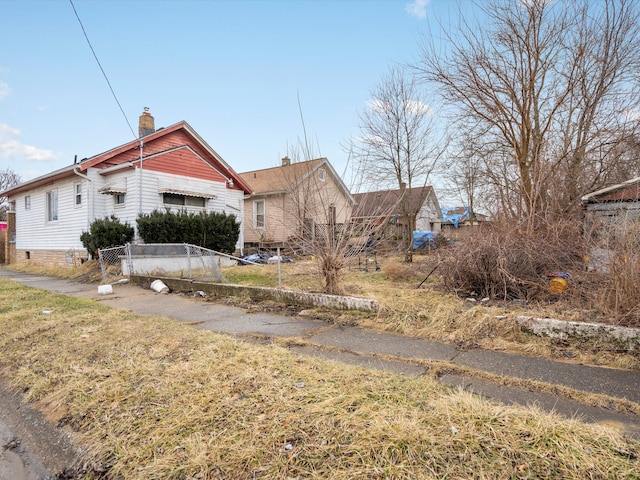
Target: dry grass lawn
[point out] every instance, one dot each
(154, 399)
(427, 312)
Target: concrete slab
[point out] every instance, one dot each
(366, 361)
(262, 324)
(606, 381)
(369, 342)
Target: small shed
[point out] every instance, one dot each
(614, 203)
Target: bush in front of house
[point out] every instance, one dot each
(215, 231)
(106, 232)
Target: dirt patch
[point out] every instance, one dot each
(32, 448)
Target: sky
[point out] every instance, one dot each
(241, 73)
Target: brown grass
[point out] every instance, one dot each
(427, 312)
(151, 398)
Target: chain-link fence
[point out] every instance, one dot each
(163, 259)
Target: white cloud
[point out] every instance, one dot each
(5, 90)
(418, 8)
(11, 148)
(377, 105)
(412, 106)
(6, 130)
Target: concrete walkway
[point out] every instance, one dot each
(362, 347)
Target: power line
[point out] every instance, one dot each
(102, 69)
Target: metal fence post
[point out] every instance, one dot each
(279, 274)
(129, 257)
(187, 247)
(102, 269)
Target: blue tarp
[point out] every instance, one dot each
(424, 239)
(450, 215)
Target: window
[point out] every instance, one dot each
(182, 200)
(52, 205)
(258, 214)
(27, 202)
(77, 189)
(118, 198)
(321, 174)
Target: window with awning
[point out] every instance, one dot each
(183, 200)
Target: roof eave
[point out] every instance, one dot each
(620, 186)
(40, 181)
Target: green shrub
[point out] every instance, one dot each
(105, 233)
(215, 231)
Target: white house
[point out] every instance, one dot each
(172, 168)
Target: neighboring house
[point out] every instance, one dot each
(384, 207)
(461, 217)
(293, 199)
(171, 168)
(4, 242)
(617, 202)
(605, 210)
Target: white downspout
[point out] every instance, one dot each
(140, 186)
(91, 208)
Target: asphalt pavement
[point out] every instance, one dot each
(378, 350)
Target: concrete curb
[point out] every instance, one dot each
(337, 302)
(626, 338)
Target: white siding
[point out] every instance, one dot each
(128, 211)
(428, 218)
(226, 201)
(34, 232)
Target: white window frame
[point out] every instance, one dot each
(27, 202)
(257, 222)
(77, 194)
(119, 195)
(322, 174)
(51, 205)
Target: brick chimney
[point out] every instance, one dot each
(286, 161)
(146, 124)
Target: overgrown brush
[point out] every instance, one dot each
(505, 261)
(615, 258)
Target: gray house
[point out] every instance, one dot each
(614, 203)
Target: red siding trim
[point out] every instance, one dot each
(177, 135)
(626, 194)
(205, 163)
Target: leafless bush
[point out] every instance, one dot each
(503, 261)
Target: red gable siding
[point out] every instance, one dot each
(205, 163)
(183, 162)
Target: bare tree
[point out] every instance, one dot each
(397, 147)
(462, 173)
(316, 211)
(549, 86)
(8, 178)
